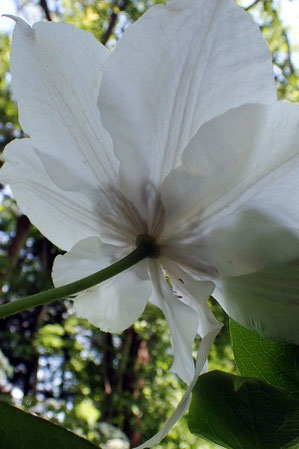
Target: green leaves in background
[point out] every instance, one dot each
(274, 362)
(20, 430)
(243, 413)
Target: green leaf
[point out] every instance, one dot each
(243, 413)
(274, 362)
(20, 430)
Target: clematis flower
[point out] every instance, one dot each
(175, 135)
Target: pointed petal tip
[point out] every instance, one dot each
(24, 25)
(9, 16)
(12, 17)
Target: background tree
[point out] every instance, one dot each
(97, 384)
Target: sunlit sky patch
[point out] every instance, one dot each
(289, 14)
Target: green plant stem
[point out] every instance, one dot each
(141, 252)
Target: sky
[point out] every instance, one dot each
(289, 14)
(289, 11)
(9, 7)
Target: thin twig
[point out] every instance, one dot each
(109, 31)
(252, 5)
(113, 19)
(45, 8)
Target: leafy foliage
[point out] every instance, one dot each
(243, 413)
(39, 433)
(274, 362)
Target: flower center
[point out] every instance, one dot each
(149, 245)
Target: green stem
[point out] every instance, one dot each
(142, 251)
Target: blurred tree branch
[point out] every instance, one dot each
(286, 39)
(22, 229)
(110, 28)
(113, 19)
(45, 8)
(251, 5)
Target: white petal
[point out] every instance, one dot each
(183, 405)
(182, 320)
(56, 74)
(63, 217)
(175, 68)
(119, 220)
(209, 331)
(195, 294)
(114, 304)
(233, 204)
(56, 71)
(176, 415)
(266, 301)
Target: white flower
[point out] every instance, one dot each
(176, 134)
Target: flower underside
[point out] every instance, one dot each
(149, 244)
(177, 148)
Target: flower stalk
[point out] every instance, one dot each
(144, 249)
